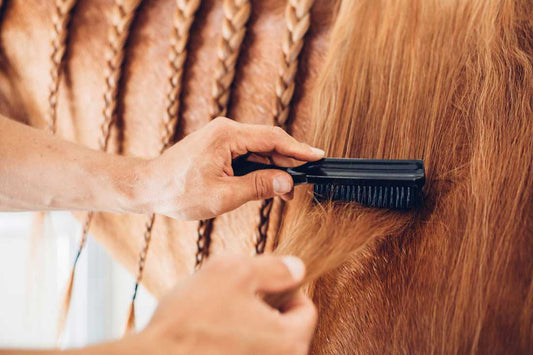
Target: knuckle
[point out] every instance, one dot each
(221, 121)
(221, 126)
(278, 131)
(261, 186)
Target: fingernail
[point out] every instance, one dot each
(318, 152)
(295, 265)
(281, 184)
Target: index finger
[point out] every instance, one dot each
(299, 309)
(266, 139)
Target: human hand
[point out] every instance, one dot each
(219, 310)
(194, 179)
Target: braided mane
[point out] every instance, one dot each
(179, 37)
(297, 18)
(124, 12)
(60, 20)
(236, 15)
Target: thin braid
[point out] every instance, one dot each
(298, 20)
(147, 236)
(183, 19)
(61, 19)
(124, 14)
(236, 15)
(115, 56)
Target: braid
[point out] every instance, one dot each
(124, 14)
(115, 56)
(147, 236)
(236, 15)
(61, 19)
(298, 19)
(183, 19)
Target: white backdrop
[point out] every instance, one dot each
(32, 285)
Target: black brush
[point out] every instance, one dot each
(395, 184)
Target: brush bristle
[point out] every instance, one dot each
(394, 197)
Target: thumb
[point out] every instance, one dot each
(274, 274)
(261, 185)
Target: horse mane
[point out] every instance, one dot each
(450, 82)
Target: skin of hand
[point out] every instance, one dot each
(194, 179)
(191, 180)
(220, 310)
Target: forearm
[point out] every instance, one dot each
(132, 345)
(41, 172)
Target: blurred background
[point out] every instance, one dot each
(33, 276)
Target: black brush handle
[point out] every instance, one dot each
(241, 167)
(353, 171)
(345, 171)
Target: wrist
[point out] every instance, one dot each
(156, 189)
(130, 180)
